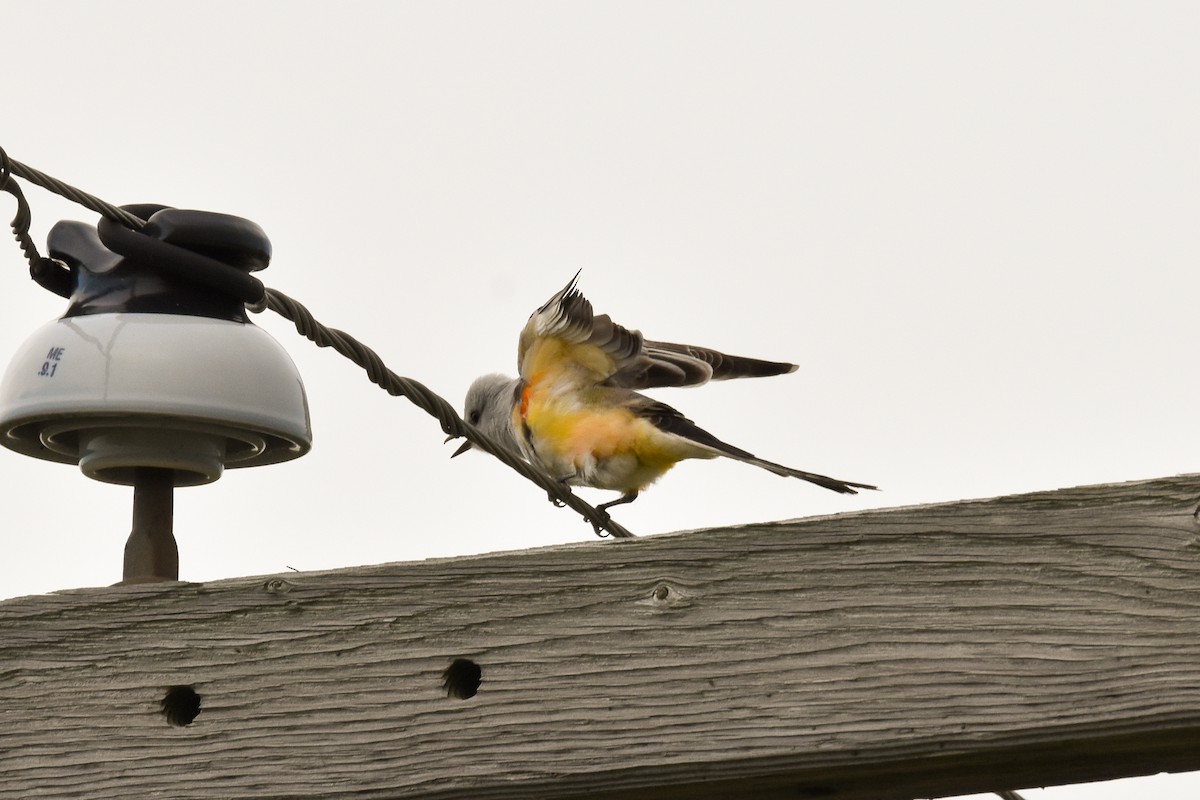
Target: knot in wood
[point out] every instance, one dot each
(665, 595)
(278, 586)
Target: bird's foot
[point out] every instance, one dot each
(599, 525)
(564, 482)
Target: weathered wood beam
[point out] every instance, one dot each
(927, 651)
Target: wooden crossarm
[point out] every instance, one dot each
(927, 651)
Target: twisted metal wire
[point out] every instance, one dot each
(71, 193)
(366, 358)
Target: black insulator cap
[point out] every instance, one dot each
(195, 263)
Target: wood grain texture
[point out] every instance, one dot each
(924, 651)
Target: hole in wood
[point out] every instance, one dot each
(462, 678)
(181, 705)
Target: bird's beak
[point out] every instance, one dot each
(462, 448)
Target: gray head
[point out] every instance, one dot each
(489, 407)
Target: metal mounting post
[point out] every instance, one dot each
(151, 553)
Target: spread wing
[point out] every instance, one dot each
(565, 338)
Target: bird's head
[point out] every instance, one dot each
(489, 407)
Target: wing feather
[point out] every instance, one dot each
(566, 336)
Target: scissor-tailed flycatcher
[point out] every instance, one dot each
(575, 412)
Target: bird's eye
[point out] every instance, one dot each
(473, 418)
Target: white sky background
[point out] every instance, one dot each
(972, 225)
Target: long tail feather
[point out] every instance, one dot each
(666, 418)
(845, 487)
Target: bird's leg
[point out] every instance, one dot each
(628, 497)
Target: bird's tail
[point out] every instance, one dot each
(845, 487)
(667, 419)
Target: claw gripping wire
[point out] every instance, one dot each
(119, 226)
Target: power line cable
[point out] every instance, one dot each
(53, 276)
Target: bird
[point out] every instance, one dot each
(576, 410)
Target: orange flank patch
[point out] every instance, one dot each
(523, 408)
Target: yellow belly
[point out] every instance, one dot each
(602, 446)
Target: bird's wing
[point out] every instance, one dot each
(564, 337)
